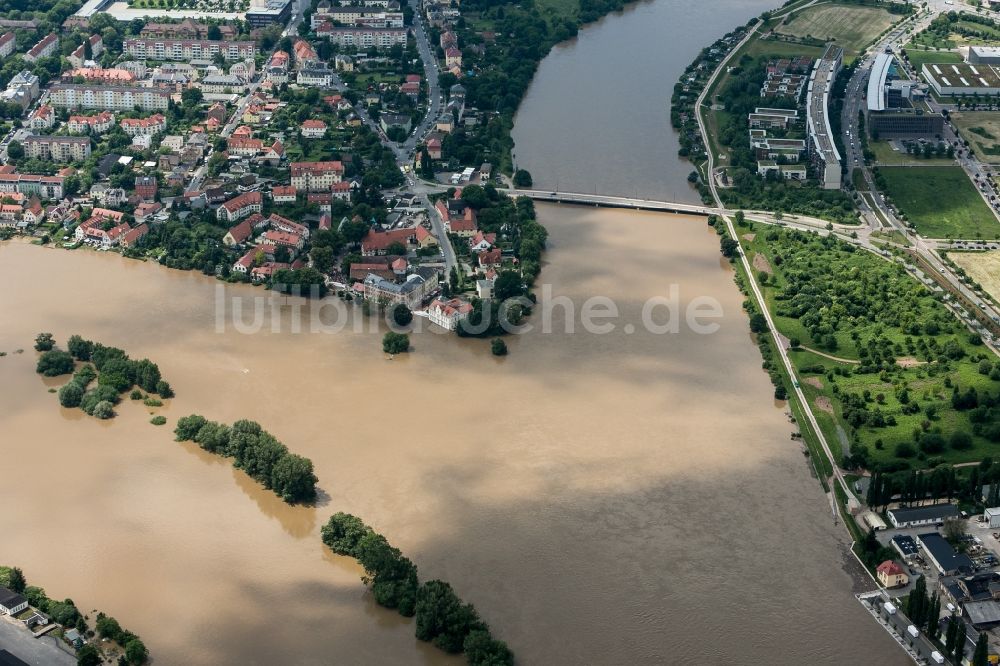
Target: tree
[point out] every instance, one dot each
(44, 342)
(108, 627)
(54, 362)
(163, 388)
(15, 150)
(187, 427)
(442, 618)
(498, 347)
(729, 247)
(293, 479)
(17, 582)
(954, 530)
(395, 343)
(104, 410)
(507, 285)
(79, 348)
(981, 657)
(88, 656)
(135, 652)
(322, 258)
(395, 248)
(192, 97)
(343, 532)
(521, 178)
(758, 323)
(402, 315)
(71, 394)
(481, 649)
(214, 33)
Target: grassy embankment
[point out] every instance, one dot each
(940, 201)
(903, 353)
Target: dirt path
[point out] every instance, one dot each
(830, 356)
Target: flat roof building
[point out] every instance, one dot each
(876, 97)
(824, 148)
(986, 55)
(922, 515)
(943, 556)
(962, 78)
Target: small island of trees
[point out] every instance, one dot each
(256, 452)
(114, 371)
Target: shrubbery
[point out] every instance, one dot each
(255, 451)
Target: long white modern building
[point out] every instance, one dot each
(824, 148)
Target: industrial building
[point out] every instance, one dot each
(945, 559)
(959, 78)
(986, 55)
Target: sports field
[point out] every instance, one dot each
(940, 201)
(849, 26)
(983, 267)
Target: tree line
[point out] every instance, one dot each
(441, 616)
(256, 452)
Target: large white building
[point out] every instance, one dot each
(111, 98)
(46, 187)
(188, 49)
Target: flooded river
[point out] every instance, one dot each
(614, 498)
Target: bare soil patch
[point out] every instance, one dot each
(823, 403)
(815, 382)
(760, 263)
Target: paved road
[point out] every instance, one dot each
(17, 640)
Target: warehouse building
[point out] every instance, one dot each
(921, 515)
(962, 78)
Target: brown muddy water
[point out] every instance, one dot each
(602, 499)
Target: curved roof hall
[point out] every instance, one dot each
(876, 82)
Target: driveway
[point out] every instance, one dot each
(17, 640)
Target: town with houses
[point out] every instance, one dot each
(324, 144)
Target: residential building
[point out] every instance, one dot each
(46, 187)
(240, 206)
(133, 236)
(434, 148)
(98, 75)
(188, 49)
(922, 515)
(283, 194)
(316, 176)
(313, 129)
(46, 47)
(115, 98)
(57, 148)
(96, 124)
(452, 57)
(244, 146)
(410, 290)
(276, 238)
(891, 574)
(145, 188)
(154, 124)
(288, 226)
(389, 120)
(378, 242)
(79, 55)
(448, 313)
(8, 42)
(363, 37)
(315, 74)
(276, 70)
(42, 118)
(11, 603)
(223, 83)
(22, 89)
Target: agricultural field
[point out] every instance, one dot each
(983, 267)
(850, 26)
(940, 201)
(982, 130)
(891, 373)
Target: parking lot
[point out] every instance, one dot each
(17, 640)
